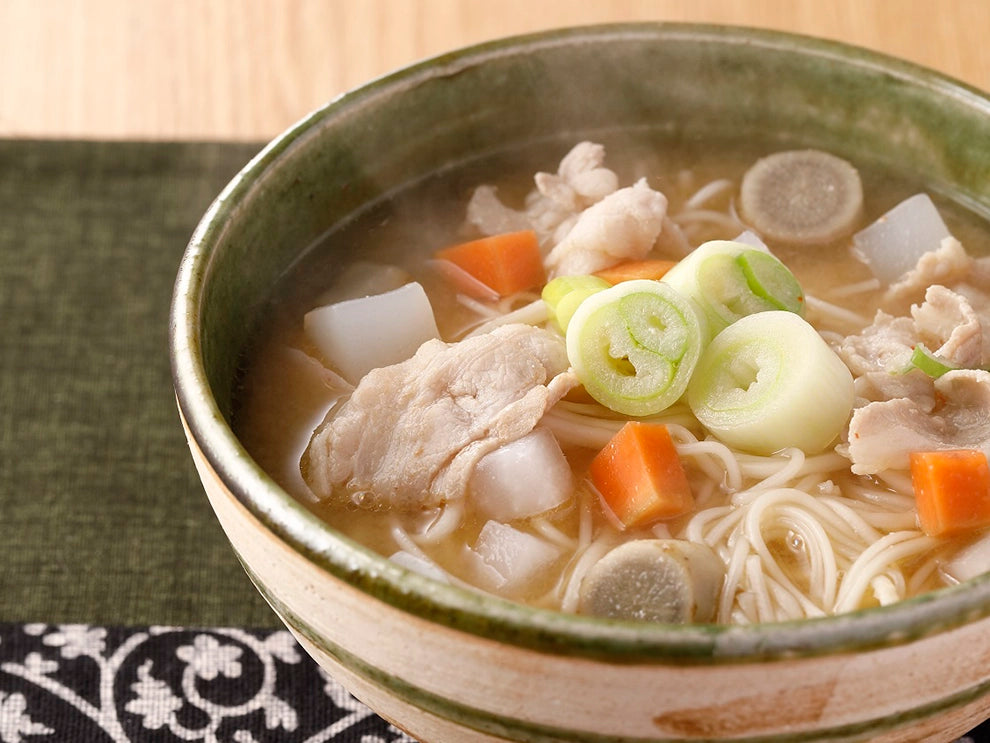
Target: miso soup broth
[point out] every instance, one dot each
(767, 535)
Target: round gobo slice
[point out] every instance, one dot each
(802, 197)
(654, 580)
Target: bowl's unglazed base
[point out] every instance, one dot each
(444, 685)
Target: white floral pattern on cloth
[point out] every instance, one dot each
(80, 683)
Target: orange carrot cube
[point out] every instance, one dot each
(506, 263)
(952, 490)
(640, 477)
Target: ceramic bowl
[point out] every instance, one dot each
(451, 666)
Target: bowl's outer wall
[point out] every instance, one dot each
(691, 82)
(443, 685)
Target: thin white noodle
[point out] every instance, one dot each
(661, 530)
(724, 526)
(735, 565)
(707, 192)
(898, 481)
(707, 494)
(714, 460)
(788, 602)
(533, 313)
(553, 534)
(516, 301)
(745, 611)
(703, 452)
(833, 337)
(580, 430)
(756, 579)
(694, 531)
(812, 483)
(405, 542)
(734, 213)
(581, 564)
(594, 432)
(822, 568)
(834, 313)
(763, 467)
(586, 523)
(795, 463)
(824, 573)
(887, 522)
(895, 576)
(486, 311)
(707, 216)
(929, 570)
(875, 559)
(861, 287)
(885, 590)
(881, 498)
(589, 410)
(818, 547)
(854, 518)
(446, 523)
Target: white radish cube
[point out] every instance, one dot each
(970, 561)
(519, 558)
(358, 335)
(523, 478)
(892, 245)
(479, 573)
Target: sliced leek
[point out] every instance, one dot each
(730, 280)
(929, 362)
(770, 381)
(635, 345)
(564, 293)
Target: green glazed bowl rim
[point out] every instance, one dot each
(489, 616)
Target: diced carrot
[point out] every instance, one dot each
(952, 490)
(628, 270)
(640, 476)
(506, 263)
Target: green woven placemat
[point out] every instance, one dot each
(102, 518)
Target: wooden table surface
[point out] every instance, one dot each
(246, 69)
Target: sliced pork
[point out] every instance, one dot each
(410, 434)
(622, 226)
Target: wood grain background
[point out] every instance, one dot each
(246, 69)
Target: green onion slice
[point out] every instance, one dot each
(770, 381)
(634, 346)
(929, 362)
(564, 293)
(730, 280)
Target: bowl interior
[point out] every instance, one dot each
(691, 82)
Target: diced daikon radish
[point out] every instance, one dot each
(520, 558)
(358, 335)
(971, 561)
(522, 478)
(892, 245)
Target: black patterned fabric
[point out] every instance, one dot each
(82, 683)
